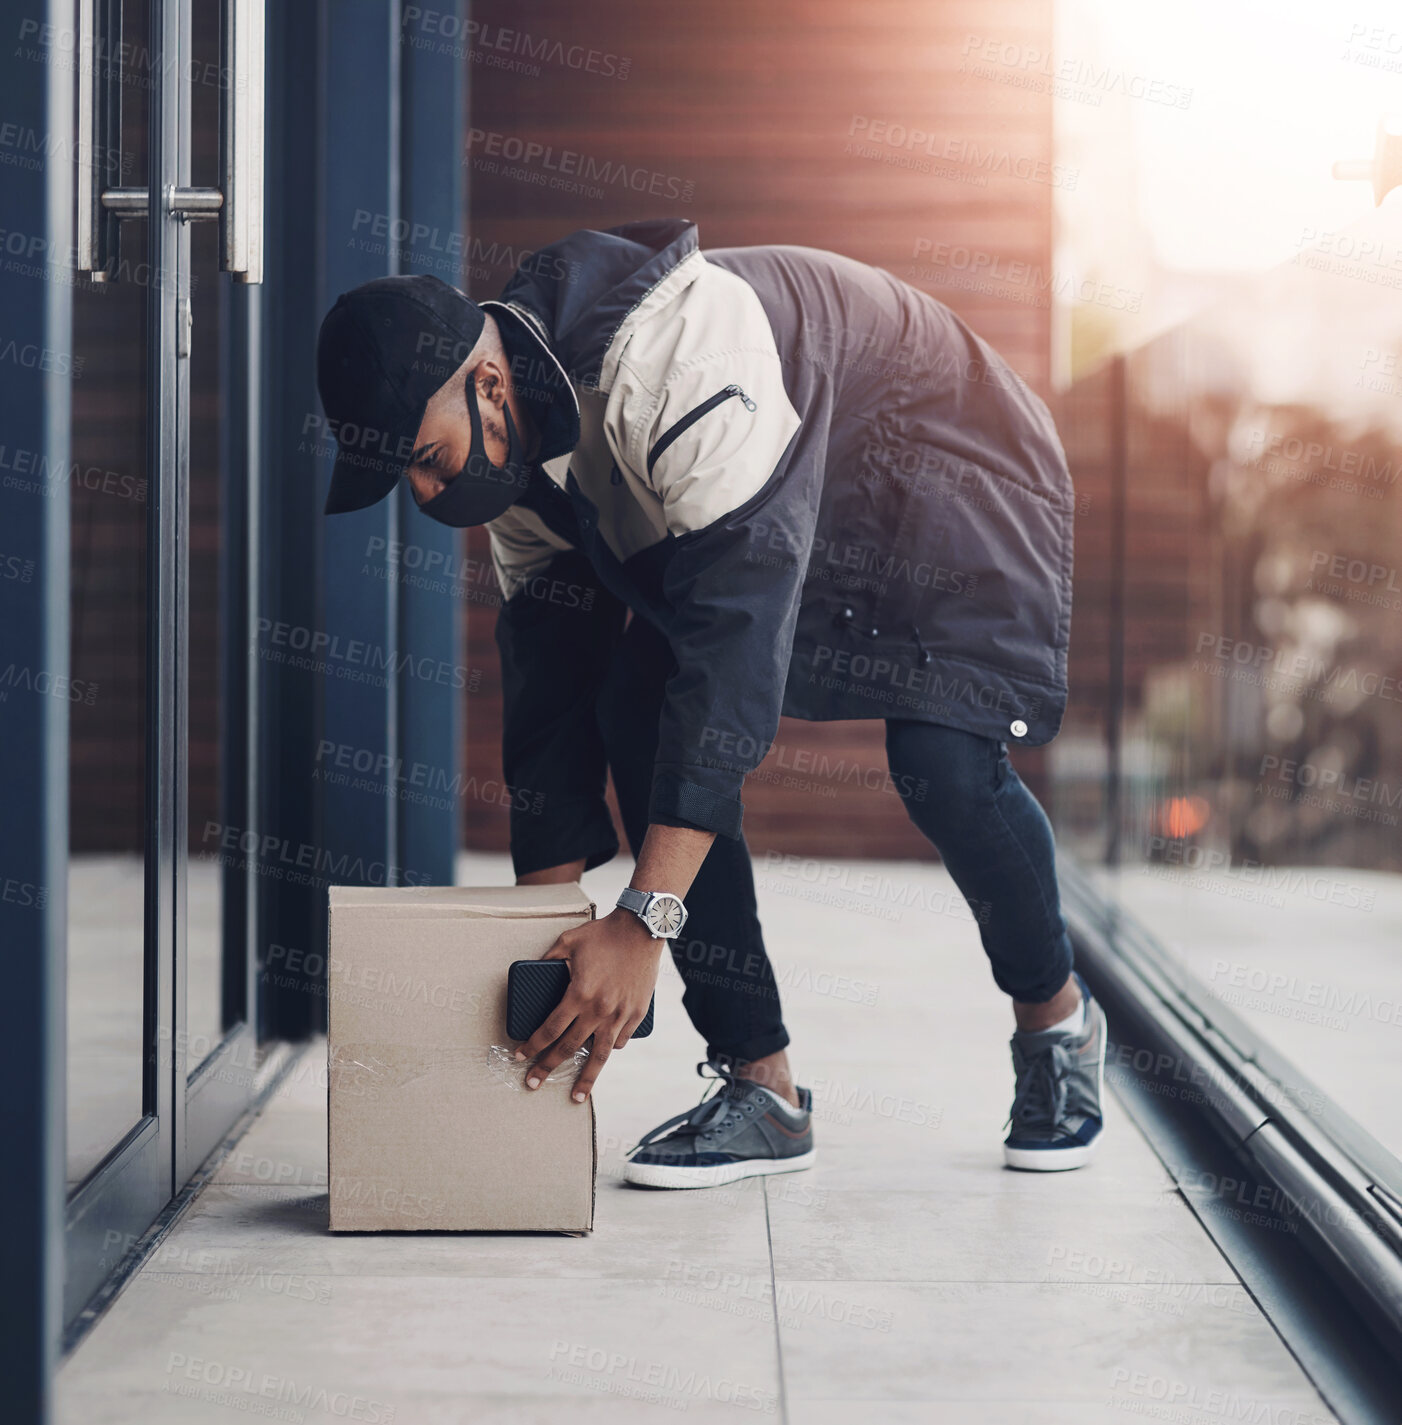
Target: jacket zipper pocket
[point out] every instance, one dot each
(675, 432)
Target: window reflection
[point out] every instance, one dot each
(1260, 761)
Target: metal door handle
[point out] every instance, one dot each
(99, 127)
(187, 204)
(241, 140)
(237, 204)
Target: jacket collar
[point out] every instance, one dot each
(560, 428)
(584, 287)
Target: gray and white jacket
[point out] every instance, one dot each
(832, 498)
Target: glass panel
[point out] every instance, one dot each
(1262, 747)
(107, 708)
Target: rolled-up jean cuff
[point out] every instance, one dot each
(1051, 978)
(581, 829)
(746, 1051)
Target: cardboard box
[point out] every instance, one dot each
(430, 1125)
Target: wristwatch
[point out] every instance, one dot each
(661, 911)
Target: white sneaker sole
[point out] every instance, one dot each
(1050, 1160)
(716, 1174)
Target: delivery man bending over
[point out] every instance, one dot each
(720, 487)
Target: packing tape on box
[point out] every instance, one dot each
(364, 1069)
(502, 1065)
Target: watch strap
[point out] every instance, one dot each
(633, 900)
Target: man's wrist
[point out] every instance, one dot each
(630, 925)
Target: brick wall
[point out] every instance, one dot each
(770, 123)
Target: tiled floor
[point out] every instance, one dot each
(908, 1278)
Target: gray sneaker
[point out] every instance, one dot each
(1056, 1119)
(739, 1130)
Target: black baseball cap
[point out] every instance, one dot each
(384, 349)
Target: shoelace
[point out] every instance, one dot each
(715, 1111)
(1041, 1095)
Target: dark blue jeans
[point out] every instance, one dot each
(959, 789)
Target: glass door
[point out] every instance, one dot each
(160, 1049)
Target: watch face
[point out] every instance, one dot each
(664, 915)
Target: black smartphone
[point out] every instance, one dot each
(535, 987)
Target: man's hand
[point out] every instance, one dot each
(613, 961)
(613, 970)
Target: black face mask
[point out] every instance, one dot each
(482, 490)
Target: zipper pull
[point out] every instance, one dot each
(736, 391)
